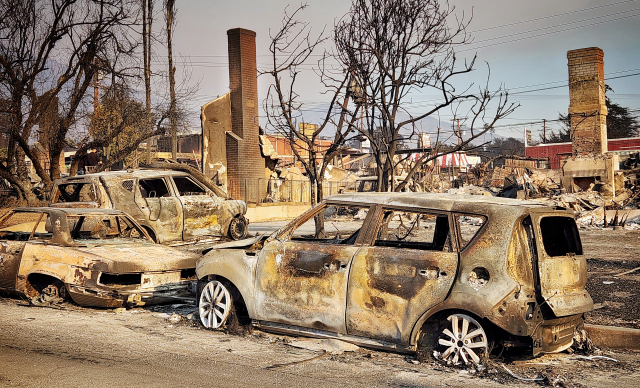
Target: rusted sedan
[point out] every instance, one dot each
(170, 205)
(450, 274)
(97, 257)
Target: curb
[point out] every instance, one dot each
(614, 337)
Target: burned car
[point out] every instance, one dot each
(97, 257)
(170, 205)
(448, 274)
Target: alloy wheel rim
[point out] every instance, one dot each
(214, 305)
(463, 341)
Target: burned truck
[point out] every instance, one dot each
(96, 257)
(448, 274)
(170, 205)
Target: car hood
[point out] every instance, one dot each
(127, 258)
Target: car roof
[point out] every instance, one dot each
(72, 211)
(437, 201)
(127, 173)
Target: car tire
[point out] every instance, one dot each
(215, 305)
(51, 291)
(238, 228)
(462, 340)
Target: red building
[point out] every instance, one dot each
(556, 152)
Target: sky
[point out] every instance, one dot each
(525, 44)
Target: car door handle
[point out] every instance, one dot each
(339, 265)
(432, 273)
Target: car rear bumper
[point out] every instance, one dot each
(555, 335)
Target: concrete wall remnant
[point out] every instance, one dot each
(216, 122)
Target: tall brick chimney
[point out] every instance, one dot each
(587, 107)
(245, 165)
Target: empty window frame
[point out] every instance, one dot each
(75, 192)
(186, 186)
(469, 226)
(153, 188)
(560, 236)
(414, 230)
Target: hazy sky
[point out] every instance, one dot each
(524, 42)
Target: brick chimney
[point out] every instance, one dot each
(587, 107)
(245, 165)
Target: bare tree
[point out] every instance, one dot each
(395, 49)
(291, 47)
(50, 54)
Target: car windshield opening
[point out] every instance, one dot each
(560, 236)
(342, 225)
(103, 227)
(23, 226)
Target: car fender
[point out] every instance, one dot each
(237, 266)
(62, 263)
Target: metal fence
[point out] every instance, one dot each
(282, 190)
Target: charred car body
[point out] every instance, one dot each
(170, 205)
(97, 257)
(408, 272)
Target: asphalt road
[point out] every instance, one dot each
(78, 347)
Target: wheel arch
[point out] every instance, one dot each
(238, 297)
(229, 266)
(436, 314)
(39, 278)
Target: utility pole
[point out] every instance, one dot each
(147, 19)
(544, 131)
(459, 135)
(170, 8)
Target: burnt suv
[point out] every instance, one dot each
(170, 205)
(451, 274)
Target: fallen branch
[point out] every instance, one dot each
(591, 358)
(627, 272)
(522, 378)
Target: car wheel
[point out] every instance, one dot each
(52, 291)
(55, 290)
(215, 305)
(238, 228)
(462, 340)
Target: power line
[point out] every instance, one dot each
(547, 33)
(553, 16)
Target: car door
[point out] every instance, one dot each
(15, 229)
(409, 267)
(561, 266)
(201, 209)
(161, 208)
(302, 274)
